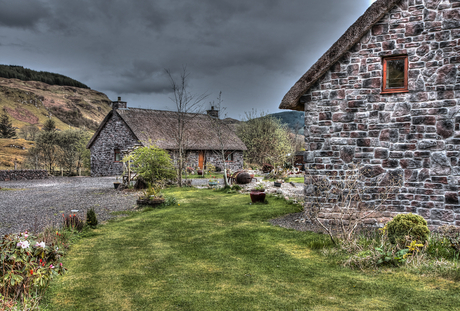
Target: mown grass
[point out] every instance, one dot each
(215, 251)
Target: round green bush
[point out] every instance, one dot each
(404, 225)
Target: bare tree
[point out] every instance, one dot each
(221, 130)
(341, 203)
(188, 106)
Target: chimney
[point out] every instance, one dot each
(118, 104)
(213, 113)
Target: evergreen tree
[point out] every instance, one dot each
(6, 127)
(49, 125)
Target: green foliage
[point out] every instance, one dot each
(6, 127)
(170, 201)
(91, 218)
(236, 187)
(27, 265)
(21, 73)
(267, 140)
(49, 125)
(411, 225)
(66, 149)
(152, 163)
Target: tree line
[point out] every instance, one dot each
(21, 73)
(59, 149)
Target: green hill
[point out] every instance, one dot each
(293, 119)
(24, 74)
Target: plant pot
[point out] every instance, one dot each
(199, 172)
(277, 184)
(116, 185)
(257, 196)
(212, 183)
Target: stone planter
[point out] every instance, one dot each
(257, 196)
(154, 202)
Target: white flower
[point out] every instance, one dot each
(23, 244)
(41, 244)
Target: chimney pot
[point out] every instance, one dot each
(119, 98)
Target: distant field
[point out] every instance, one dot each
(11, 150)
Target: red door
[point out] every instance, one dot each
(201, 159)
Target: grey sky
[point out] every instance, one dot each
(252, 51)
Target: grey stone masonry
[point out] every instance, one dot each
(415, 134)
(8, 175)
(114, 135)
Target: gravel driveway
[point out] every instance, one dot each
(35, 204)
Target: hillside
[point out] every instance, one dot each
(293, 119)
(25, 74)
(32, 102)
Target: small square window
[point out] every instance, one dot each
(228, 156)
(395, 74)
(117, 155)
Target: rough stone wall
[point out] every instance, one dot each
(216, 160)
(414, 134)
(115, 135)
(23, 174)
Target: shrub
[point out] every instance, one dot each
(267, 168)
(27, 266)
(91, 218)
(411, 225)
(236, 187)
(218, 169)
(169, 201)
(73, 222)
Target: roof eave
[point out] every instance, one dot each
(353, 34)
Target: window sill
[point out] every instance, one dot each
(394, 91)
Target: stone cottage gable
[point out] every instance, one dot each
(112, 135)
(413, 133)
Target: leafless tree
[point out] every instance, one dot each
(341, 203)
(221, 129)
(188, 105)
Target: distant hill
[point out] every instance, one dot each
(33, 102)
(24, 74)
(293, 119)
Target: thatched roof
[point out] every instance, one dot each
(353, 34)
(160, 127)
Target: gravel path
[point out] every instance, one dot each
(35, 204)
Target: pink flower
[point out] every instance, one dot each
(60, 264)
(51, 267)
(41, 244)
(23, 244)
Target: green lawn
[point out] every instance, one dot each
(217, 252)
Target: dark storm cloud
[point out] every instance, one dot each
(21, 13)
(242, 47)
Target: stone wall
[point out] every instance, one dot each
(216, 160)
(416, 134)
(23, 175)
(114, 135)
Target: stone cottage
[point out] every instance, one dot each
(387, 95)
(126, 127)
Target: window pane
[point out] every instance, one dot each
(395, 73)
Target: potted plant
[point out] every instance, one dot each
(258, 194)
(151, 196)
(116, 183)
(278, 182)
(212, 182)
(258, 188)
